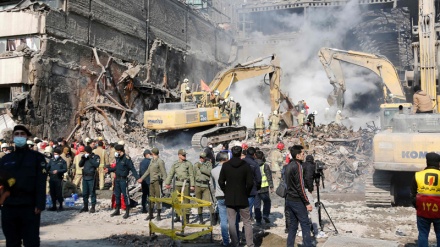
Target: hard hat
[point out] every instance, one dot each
(275, 112)
(216, 92)
(226, 100)
(315, 113)
(100, 138)
(280, 146)
(302, 111)
(338, 112)
(87, 140)
(48, 149)
(36, 138)
(29, 142)
(244, 146)
(121, 142)
(186, 80)
(4, 145)
(260, 114)
(231, 98)
(202, 155)
(187, 88)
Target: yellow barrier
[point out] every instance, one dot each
(176, 201)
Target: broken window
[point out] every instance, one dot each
(11, 44)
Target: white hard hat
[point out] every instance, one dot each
(48, 149)
(29, 142)
(315, 113)
(186, 80)
(339, 111)
(187, 88)
(231, 98)
(36, 138)
(4, 145)
(121, 142)
(275, 112)
(216, 92)
(226, 100)
(302, 111)
(87, 140)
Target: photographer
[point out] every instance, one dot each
(310, 172)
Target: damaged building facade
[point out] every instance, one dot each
(60, 61)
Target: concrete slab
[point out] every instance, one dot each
(342, 241)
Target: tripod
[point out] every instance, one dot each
(319, 204)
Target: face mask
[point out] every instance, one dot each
(54, 146)
(19, 141)
(6, 152)
(210, 146)
(56, 156)
(86, 155)
(116, 154)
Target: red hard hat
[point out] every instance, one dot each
(280, 146)
(244, 146)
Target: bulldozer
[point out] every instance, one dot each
(203, 122)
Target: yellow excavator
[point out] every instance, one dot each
(331, 60)
(204, 122)
(400, 150)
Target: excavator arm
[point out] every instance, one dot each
(224, 79)
(331, 60)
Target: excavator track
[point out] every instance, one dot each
(378, 192)
(217, 135)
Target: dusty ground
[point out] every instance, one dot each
(348, 212)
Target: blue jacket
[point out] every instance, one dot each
(124, 165)
(145, 163)
(256, 173)
(59, 165)
(90, 165)
(28, 167)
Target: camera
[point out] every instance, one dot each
(319, 172)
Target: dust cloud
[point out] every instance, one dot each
(303, 75)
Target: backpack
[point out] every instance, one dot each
(282, 188)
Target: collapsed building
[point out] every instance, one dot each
(91, 68)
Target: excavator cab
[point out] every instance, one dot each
(388, 111)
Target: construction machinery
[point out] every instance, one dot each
(400, 149)
(331, 60)
(204, 122)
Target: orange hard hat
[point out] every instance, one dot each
(244, 146)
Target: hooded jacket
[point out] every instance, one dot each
(309, 172)
(236, 181)
(422, 102)
(256, 174)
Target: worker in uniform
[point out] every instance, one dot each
(124, 164)
(77, 170)
(188, 95)
(156, 171)
(65, 155)
(232, 110)
(152, 138)
(112, 160)
(276, 159)
(202, 175)
(21, 211)
(184, 173)
(274, 126)
(238, 114)
(216, 98)
(89, 162)
(263, 193)
(145, 183)
(311, 121)
(183, 87)
(301, 118)
(259, 126)
(104, 161)
(56, 169)
(338, 117)
(4, 150)
(425, 195)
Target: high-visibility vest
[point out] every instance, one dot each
(264, 182)
(428, 193)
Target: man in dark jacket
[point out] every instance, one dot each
(309, 174)
(297, 202)
(90, 162)
(145, 184)
(210, 153)
(21, 211)
(124, 165)
(236, 181)
(263, 193)
(56, 169)
(250, 159)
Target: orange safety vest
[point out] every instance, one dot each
(428, 193)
